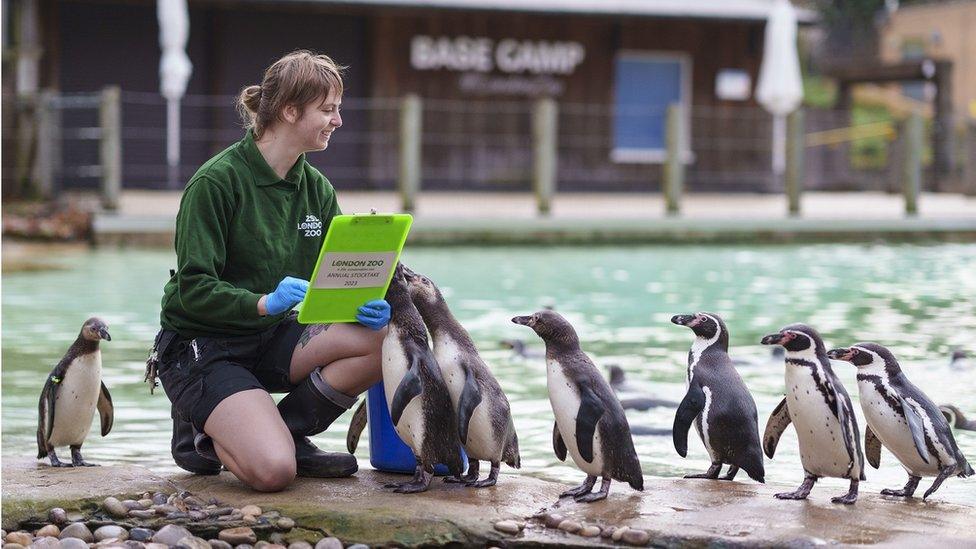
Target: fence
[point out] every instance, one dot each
(95, 141)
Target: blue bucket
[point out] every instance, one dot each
(386, 451)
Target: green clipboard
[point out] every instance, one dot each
(355, 265)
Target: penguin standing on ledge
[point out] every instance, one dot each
(903, 419)
(818, 405)
(418, 398)
(71, 394)
(590, 423)
(718, 402)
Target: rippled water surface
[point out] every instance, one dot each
(920, 301)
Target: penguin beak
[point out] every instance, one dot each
(774, 339)
(523, 320)
(103, 333)
(408, 273)
(842, 354)
(682, 320)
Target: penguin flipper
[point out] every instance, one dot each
(917, 430)
(872, 447)
(45, 411)
(778, 421)
(356, 426)
(410, 387)
(557, 443)
(106, 410)
(590, 411)
(470, 399)
(688, 410)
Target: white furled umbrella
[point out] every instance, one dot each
(174, 73)
(780, 86)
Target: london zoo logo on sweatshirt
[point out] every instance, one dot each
(311, 226)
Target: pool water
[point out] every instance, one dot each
(920, 301)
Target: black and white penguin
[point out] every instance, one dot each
(633, 396)
(484, 416)
(590, 423)
(903, 419)
(820, 408)
(718, 402)
(418, 397)
(71, 394)
(956, 418)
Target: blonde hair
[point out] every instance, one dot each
(296, 79)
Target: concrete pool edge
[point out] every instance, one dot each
(115, 230)
(672, 511)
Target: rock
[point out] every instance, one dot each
(195, 502)
(329, 543)
(178, 515)
(130, 544)
(634, 536)
(75, 517)
(276, 538)
(192, 542)
(251, 510)
(110, 542)
(3, 534)
(114, 507)
(507, 526)
(237, 536)
(608, 531)
(46, 542)
(198, 515)
(131, 504)
(570, 526)
(142, 514)
(358, 546)
(146, 503)
(299, 545)
(77, 530)
(157, 546)
(619, 533)
(141, 534)
(221, 511)
(165, 509)
(217, 544)
(244, 546)
(590, 531)
(20, 538)
(13, 546)
(58, 516)
(111, 531)
(271, 515)
(49, 530)
(552, 520)
(159, 498)
(170, 534)
(250, 519)
(285, 523)
(74, 543)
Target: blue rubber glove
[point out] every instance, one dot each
(290, 292)
(374, 314)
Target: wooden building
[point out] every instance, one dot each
(477, 66)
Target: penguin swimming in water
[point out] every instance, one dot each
(718, 402)
(484, 416)
(956, 419)
(418, 398)
(818, 405)
(590, 423)
(633, 397)
(902, 419)
(71, 394)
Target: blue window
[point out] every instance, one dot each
(645, 84)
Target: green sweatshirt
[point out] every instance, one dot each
(239, 231)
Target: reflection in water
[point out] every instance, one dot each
(920, 301)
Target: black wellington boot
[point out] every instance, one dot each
(307, 411)
(185, 453)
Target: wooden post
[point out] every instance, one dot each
(795, 149)
(47, 131)
(544, 126)
(110, 145)
(410, 141)
(674, 168)
(913, 162)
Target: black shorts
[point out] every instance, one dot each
(197, 374)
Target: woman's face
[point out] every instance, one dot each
(319, 119)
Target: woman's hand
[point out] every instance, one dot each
(374, 314)
(290, 292)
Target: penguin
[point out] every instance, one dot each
(417, 396)
(903, 419)
(960, 360)
(718, 402)
(633, 397)
(820, 408)
(71, 394)
(521, 350)
(484, 417)
(956, 419)
(590, 423)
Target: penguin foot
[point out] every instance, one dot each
(419, 483)
(77, 460)
(595, 496)
(902, 493)
(84, 463)
(733, 470)
(463, 479)
(712, 472)
(482, 483)
(55, 462)
(943, 474)
(846, 499)
(584, 488)
(799, 494)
